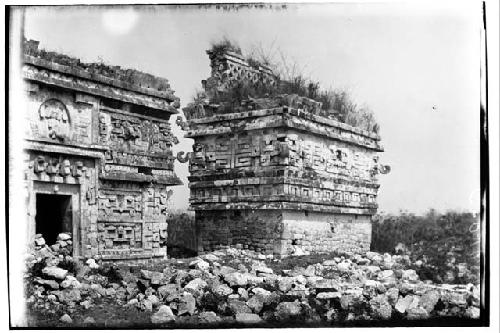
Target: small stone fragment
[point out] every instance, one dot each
(66, 319)
(163, 315)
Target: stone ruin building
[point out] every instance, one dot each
(278, 175)
(274, 175)
(98, 154)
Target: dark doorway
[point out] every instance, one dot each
(53, 216)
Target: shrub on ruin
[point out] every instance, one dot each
(224, 45)
(441, 241)
(290, 80)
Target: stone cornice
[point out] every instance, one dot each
(63, 80)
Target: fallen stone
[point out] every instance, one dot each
(68, 295)
(351, 301)
(329, 263)
(87, 304)
(236, 306)
(429, 300)
(65, 318)
(310, 271)
(454, 298)
(344, 266)
(248, 318)
(254, 280)
(223, 290)
(63, 236)
(39, 242)
(363, 261)
(187, 304)
(49, 283)
(328, 295)
(327, 284)
(406, 303)
(417, 313)
(243, 293)
(224, 270)
(298, 251)
(288, 310)
(70, 281)
(473, 312)
(373, 256)
(392, 295)
(153, 299)
(410, 275)
(372, 288)
(208, 317)
(199, 264)
(211, 257)
(92, 264)
(264, 270)
(236, 279)
(380, 307)
(386, 276)
(371, 271)
(133, 302)
(256, 303)
(195, 285)
(164, 291)
(89, 321)
(163, 315)
(155, 278)
(285, 284)
(261, 291)
(55, 272)
(147, 305)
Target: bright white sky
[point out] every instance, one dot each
(400, 59)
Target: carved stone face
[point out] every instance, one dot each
(53, 166)
(65, 168)
(54, 117)
(78, 169)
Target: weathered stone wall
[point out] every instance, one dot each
(324, 232)
(282, 232)
(103, 133)
(256, 230)
(230, 67)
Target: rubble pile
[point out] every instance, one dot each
(228, 287)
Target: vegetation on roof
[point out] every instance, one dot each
(224, 45)
(291, 80)
(131, 76)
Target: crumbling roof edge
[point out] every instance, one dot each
(40, 62)
(287, 110)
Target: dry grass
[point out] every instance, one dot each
(291, 80)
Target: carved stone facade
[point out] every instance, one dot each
(278, 174)
(100, 137)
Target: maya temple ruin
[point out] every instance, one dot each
(277, 175)
(274, 175)
(98, 148)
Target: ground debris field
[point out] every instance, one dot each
(233, 288)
